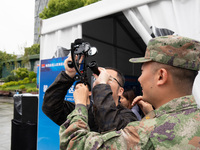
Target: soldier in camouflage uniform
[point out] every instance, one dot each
(168, 72)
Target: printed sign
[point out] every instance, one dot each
(48, 131)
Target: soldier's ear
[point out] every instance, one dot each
(162, 76)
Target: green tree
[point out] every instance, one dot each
(4, 57)
(56, 7)
(34, 49)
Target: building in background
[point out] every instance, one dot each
(39, 6)
(31, 64)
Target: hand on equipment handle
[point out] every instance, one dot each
(81, 94)
(102, 78)
(71, 71)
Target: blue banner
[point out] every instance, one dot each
(48, 131)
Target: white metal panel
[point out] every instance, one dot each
(87, 13)
(50, 42)
(135, 22)
(178, 16)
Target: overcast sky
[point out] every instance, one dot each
(16, 25)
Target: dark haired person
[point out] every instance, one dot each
(109, 113)
(126, 101)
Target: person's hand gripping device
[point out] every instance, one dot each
(79, 48)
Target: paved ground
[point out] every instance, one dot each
(6, 115)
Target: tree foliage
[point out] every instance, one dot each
(3, 58)
(32, 75)
(56, 7)
(21, 72)
(34, 49)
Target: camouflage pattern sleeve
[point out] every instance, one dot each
(175, 125)
(75, 134)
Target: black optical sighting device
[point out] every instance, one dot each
(81, 48)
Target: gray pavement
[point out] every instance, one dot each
(6, 115)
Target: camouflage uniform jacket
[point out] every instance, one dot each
(175, 125)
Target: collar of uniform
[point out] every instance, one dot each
(175, 105)
(150, 115)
